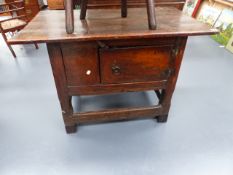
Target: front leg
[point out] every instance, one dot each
(166, 106)
(162, 118)
(71, 128)
(56, 61)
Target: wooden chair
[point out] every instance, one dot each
(70, 16)
(150, 5)
(15, 21)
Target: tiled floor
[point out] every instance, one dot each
(196, 140)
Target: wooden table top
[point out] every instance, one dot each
(49, 26)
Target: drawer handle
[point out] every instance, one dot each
(116, 70)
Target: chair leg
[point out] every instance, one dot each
(83, 11)
(151, 14)
(69, 16)
(12, 51)
(36, 46)
(8, 45)
(123, 8)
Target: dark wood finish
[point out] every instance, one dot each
(114, 44)
(106, 4)
(56, 59)
(69, 70)
(115, 88)
(151, 14)
(69, 16)
(106, 25)
(86, 55)
(71, 128)
(158, 93)
(16, 22)
(162, 118)
(149, 63)
(123, 8)
(115, 114)
(114, 55)
(132, 3)
(83, 9)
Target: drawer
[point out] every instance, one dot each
(136, 64)
(81, 63)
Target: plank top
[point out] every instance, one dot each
(103, 24)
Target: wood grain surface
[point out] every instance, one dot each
(135, 64)
(105, 24)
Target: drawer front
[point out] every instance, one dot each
(81, 63)
(135, 64)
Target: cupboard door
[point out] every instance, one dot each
(81, 63)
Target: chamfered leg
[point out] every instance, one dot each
(71, 128)
(56, 61)
(165, 104)
(162, 118)
(166, 94)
